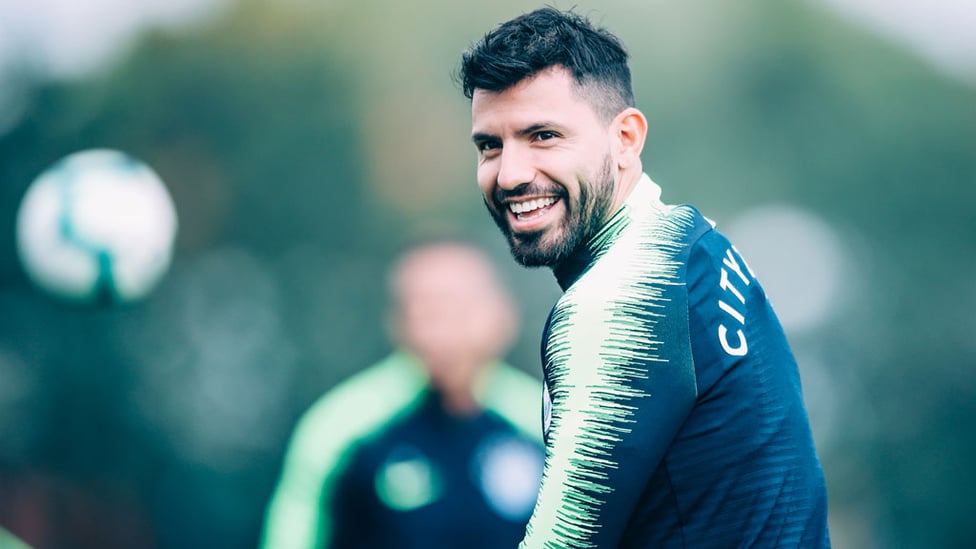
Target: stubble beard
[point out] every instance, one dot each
(585, 216)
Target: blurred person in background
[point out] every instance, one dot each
(674, 415)
(435, 446)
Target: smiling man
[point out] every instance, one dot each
(673, 411)
(546, 127)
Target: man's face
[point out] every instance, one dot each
(544, 165)
(451, 314)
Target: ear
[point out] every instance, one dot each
(630, 128)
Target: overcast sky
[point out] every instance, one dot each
(942, 31)
(65, 38)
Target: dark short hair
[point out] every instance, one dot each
(530, 43)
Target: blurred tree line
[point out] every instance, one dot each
(305, 144)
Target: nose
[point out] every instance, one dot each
(514, 167)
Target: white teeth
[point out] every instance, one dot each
(529, 205)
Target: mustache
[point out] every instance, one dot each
(528, 189)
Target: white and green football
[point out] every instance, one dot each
(96, 227)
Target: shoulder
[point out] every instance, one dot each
(362, 403)
(515, 396)
(687, 225)
(701, 249)
(649, 255)
(713, 256)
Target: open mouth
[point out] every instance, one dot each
(530, 209)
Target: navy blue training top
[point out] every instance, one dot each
(377, 462)
(432, 479)
(673, 410)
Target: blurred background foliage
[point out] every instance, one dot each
(306, 143)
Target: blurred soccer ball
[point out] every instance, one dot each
(97, 226)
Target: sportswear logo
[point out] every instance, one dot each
(728, 285)
(407, 480)
(508, 471)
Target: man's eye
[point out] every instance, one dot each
(485, 146)
(545, 136)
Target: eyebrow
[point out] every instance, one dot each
(480, 137)
(534, 128)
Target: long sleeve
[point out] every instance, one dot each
(675, 412)
(297, 516)
(621, 381)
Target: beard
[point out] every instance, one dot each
(585, 216)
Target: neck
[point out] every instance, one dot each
(625, 185)
(459, 403)
(571, 268)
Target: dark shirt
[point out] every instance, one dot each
(674, 412)
(377, 462)
(436, 480)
